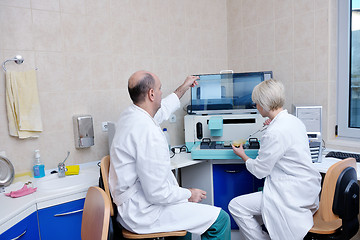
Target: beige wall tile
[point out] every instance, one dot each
(121, 10)
(304, 65)
(101, 72)
(235, 41)
(234, 13)
(99, 34)
(249, 12)
(321, 63)
(304, 6)
(123, 67)
(77, 72)
(71, 6)
(265, 11)
(122, 37)
(51, 74)
(75, 32)
(250, 42)
(304, 30)
(142, 39)
(284, 34)
(50, 5)
(178, 13)
(284, 67)
(321, 28)
(284, 8)
(266, 38)
(18, 3)
(304, 93)
(47, 31)
(98, 8)
(141, 10)
(16, 26)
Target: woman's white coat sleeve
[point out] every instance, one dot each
(270, 152)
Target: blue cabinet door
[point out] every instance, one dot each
(61, 221)
(231, 180)
(26, 229)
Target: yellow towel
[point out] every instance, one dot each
(22, 103)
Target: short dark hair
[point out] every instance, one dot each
(139, 91)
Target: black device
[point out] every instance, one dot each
(343, 155)
(254, 143)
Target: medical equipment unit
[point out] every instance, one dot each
(311, 116)
(222, 113)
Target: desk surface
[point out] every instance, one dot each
(184, 159)
(326, 162)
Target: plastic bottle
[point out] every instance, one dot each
(167, 137)
(39, 168)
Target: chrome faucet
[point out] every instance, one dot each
(61, 167)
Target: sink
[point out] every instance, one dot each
(53, 183)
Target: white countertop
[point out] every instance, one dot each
(52, 190)
(326, 162)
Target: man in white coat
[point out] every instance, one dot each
(292, 184)
(141, 182)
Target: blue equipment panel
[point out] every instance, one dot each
(232, 180)
(225, 153)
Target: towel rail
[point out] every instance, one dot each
(17, 59)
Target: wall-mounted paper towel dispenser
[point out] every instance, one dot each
(83, 131)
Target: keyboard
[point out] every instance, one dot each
(343, 155)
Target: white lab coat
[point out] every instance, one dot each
(140, 153)
(292, 184)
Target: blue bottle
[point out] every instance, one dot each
(39, 168)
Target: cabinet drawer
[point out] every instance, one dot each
(61, 221)
(26, 229)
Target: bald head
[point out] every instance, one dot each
(139, 84)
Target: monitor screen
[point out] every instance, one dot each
(224, 93)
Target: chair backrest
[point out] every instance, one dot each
(104, 168)
(328, 189)
(96, 215)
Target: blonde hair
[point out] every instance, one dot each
(269, 94)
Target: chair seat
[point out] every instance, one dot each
(130, 235)
(325, 227)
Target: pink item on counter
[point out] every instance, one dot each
(25, 190)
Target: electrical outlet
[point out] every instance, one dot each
(172, 118)
(104, 126)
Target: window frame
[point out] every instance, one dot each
(343, 80)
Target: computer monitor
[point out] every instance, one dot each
(225, 93)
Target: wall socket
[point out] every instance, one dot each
(172, 118)
(104, 126)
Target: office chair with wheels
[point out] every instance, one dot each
(123, 233)
(337, 216)
(96, 213)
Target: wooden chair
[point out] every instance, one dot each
(336, 217)
(96, 215)
(104, 168)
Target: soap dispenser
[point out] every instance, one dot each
(39, 168)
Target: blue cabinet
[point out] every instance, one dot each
(232, 180)
(61, 221)
(26, 229)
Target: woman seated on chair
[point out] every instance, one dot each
(292, 184)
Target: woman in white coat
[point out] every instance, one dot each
(292, 184)
(141, 182)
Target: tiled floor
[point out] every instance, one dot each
(357, 236)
